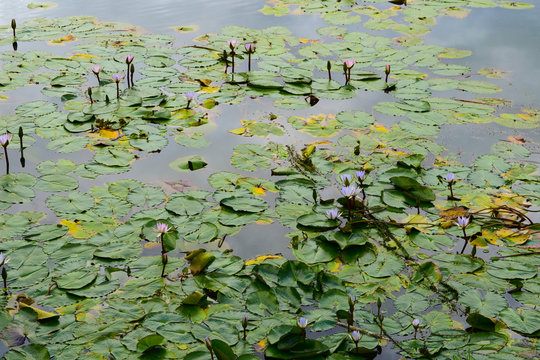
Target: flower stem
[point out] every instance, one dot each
(127, 77)
(117, 90)
(7, 159)
(249, 61)
(464, 238)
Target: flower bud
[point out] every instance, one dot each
(208, 343)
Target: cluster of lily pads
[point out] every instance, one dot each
(376, 217)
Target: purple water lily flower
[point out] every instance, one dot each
(416, 323)
(96, 69)
(462, 221)
(356, 336)
(302, 322)
(161, 228)
(450, 177)
(361, 175)
(3, 259)
(128, 58)
(333, 214)
(190, 95)
(350, 191)
(232, 43)
(250, 47)
(346, 178)
(5, 139)
(117, 77)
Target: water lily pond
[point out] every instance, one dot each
(322, 179)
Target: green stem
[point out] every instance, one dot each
(464, 238)
(7, 159)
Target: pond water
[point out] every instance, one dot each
(504, 46)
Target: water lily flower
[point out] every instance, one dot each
(416, 323)
(450, 177)
(332, 214)
(96, 69)
(190, 95)
(349, 63)
(3, 259)
(361, 175)
(462, 221)
(232, 43)
(161, 228)
(5, 139)
(346, 179)
(302, 322)
(387, 73)
(352, 300)
(244, 321)
(128, 58)
(13, 26)
(250, 48)
(356, 336)
(208, 343)
(117, 77)
(350, 191)
(347, 66)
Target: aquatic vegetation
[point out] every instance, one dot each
(85, 277)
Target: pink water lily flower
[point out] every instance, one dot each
(161, 228)
(349, 63)
(5, 139)
(128, 58)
